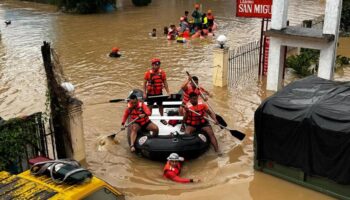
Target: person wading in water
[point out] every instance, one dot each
(172, 170)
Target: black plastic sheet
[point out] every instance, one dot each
(307, 126)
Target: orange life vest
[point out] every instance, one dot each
(136, 111)
(176, 169)
(194, 119)
(189, 90)
(155, 82)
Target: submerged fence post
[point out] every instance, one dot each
(66, 110)
(220, 67)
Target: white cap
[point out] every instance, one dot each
(175, 157)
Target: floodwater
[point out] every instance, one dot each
(83, 43)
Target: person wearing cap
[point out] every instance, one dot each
(172, 170)
(115, 53)
(154, 82)
(197, 16)
(138, 110)
(195, 121)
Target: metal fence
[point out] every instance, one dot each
(243, 63)
(21, 140)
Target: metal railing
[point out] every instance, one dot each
(243, 63)
(22, 139)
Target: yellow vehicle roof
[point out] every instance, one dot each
(27, 186)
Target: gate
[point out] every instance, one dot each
(243, 63)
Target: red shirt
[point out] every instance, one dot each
(173, 173)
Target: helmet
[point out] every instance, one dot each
(175, 157)
(196, 5)
(115, 49)
(182, 18)
(155, 60)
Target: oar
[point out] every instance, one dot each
(116, 100)
(239, 135)
(218, 117)
(102, 138)
(157, 96)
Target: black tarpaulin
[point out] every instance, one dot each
(307, 125)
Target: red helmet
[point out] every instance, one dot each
(154, 60)
(115, 49)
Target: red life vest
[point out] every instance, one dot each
(134, 112)
(155, 82)
(194, 119)
(189, 90)
(176, 169)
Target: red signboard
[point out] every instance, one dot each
(254, 8)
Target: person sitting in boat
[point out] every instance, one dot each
(195, 119)
(115, 53)
(188, 87)
(154, 82)
(172, 170)
(137, 109)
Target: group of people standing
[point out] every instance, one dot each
(201, 25)
(193, 110)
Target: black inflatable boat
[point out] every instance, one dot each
(170, 138)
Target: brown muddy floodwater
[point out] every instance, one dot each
(83, 43)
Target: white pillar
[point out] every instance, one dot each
(331, 26)
(220, 67)
(279, 14)
(276, 62)
(327, 62)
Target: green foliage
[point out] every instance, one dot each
(86, 6)
(341, 61)
(302, 63)
(17, 136)
(345, 16)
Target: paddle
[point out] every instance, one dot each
(116, 100)
(239, 135)
(218, 117)
(158, 96)
(102, 138)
